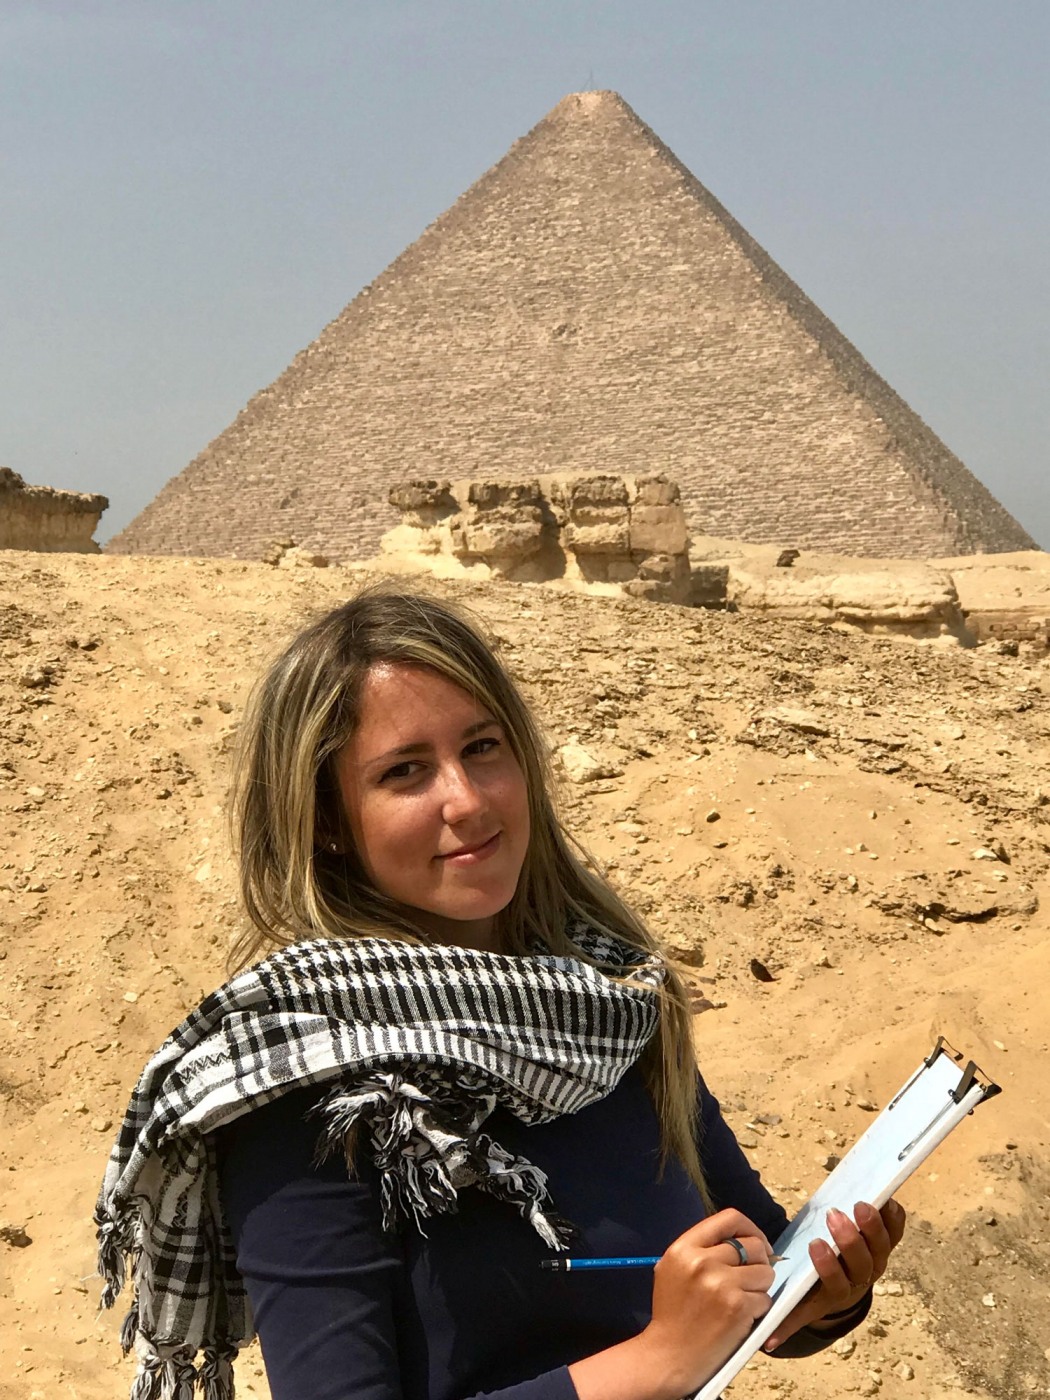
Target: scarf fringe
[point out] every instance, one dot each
(176, 1377)
(424, 1160)
(117, 1247)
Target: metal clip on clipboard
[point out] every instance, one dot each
(971, 1075)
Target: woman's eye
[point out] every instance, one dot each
(399, 770)
(479, 746)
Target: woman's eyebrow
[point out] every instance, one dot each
(403, 750)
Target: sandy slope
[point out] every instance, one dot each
(852, 780)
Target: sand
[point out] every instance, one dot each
(813, 799)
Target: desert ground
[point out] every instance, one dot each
(866, 819)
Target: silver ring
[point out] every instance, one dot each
(738, 1247)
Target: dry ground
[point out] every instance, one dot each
(811, 799)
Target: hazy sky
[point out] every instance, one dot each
(189, 191)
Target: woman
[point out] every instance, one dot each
(492, 1053)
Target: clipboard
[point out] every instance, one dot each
(937, 1097)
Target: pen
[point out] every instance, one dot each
(643, 1261)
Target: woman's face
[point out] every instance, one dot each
(435, 801)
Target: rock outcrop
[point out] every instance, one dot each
(973, 598)
(42, 518)
(615, 533)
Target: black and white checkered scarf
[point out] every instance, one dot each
(419, 1044)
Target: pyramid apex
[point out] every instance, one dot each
(588, 102)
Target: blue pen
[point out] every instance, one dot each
(643, 1261)
(567, 1266)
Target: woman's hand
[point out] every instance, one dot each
(705, 1301)
(844, 1279)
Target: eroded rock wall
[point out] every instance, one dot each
(44, 519)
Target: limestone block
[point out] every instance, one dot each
(409, 539)
(503, 533)
(707, 585)
(666, 568)
(658, 529)
(906, 597)
(302, 557)
(610, 536)
(487, 495)
(423, 502)
(656, 491)
(1005, 597)
(621, 570)
(661, 578)
(273, 551)
(605, 490)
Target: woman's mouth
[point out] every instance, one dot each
(470, 855)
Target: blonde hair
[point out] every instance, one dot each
(287, 818)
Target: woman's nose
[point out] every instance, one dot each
(460, 797)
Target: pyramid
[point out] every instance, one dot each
(586, 306)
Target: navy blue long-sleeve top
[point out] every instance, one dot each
(347, 1311)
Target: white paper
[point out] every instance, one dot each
(898, 1141)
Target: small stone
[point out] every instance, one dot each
(845, 1346)
(984, 853)
(999, 1045)
(580, 766)
(15, 1236)
(131, 996)
(989, 1300)
(866, 1105)
(713, 816)
(36, 677)
(904, 1371)
(102, 1125)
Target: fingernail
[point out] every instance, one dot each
(836, 1217)
(862, 1211)
(772, 1344)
